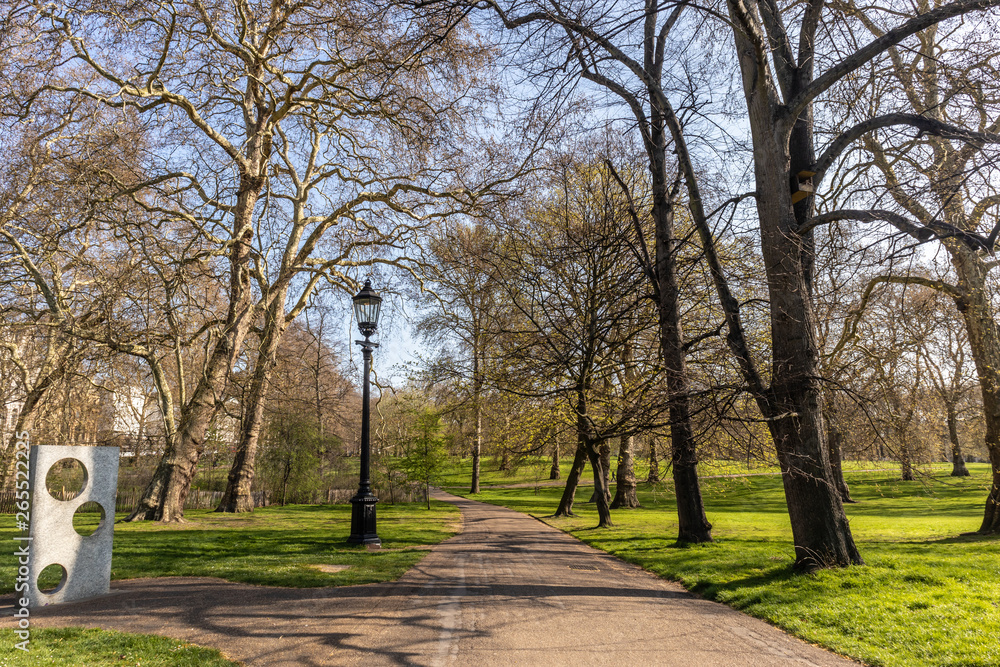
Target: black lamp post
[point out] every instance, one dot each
(363, 524)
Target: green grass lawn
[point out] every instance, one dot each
(73, 647)
(534, 470)
(458, 472)
(273, 546)
(926, 596)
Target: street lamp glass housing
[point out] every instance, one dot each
(367, 305)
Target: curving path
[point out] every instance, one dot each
(509, 590)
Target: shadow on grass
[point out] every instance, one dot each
(964, 538)
(777, 576)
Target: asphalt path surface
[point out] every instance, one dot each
(509, 590)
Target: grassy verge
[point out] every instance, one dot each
(534, 470)
(458, 473)
(72, 647)
(926, 596)
(273, 546)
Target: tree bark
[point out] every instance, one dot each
(238, 496)
(820, 528)
(991, 518)
(25, 419)
(572, 481)
(504, 451)
(958, 468)
(984, 341)
(604, 455)
(554, 471)
(692, 524)
(625, 489)
(793, 405)
(905, 460)
(654, 463)
(601, 492)
(834, 438)
(477, 446)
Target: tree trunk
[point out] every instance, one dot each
(837, 465)
(820, 529)
(692, 524)
(284, 481)
(554, 471)
(239, 485)
(984, 341)
(163, 499)
(793, 405)
(958, 468)
(572, 481)
(654, 463)
(604, 451)
(594, 453)
(477, 446)
(504, 451)
(991, 519)
(25, 419)
(238, 494)
(625, 489)
(834, 439)
(905, 460)
(164, 496)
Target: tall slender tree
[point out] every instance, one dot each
(466, 308)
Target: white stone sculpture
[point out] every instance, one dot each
(86, 561)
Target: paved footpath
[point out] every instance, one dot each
(509, 590)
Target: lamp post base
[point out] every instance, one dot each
(363, 520)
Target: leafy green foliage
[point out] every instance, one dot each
(427, 452)
(290, 457)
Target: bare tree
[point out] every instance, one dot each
(576, 304)
(623, 51)
(459, 275)
(944, 355)
(940, 182)
(307, 114)
(631, 68)
(53, 196)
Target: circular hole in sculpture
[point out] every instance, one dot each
(51, 579)
(66, 479)
(88, 518)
